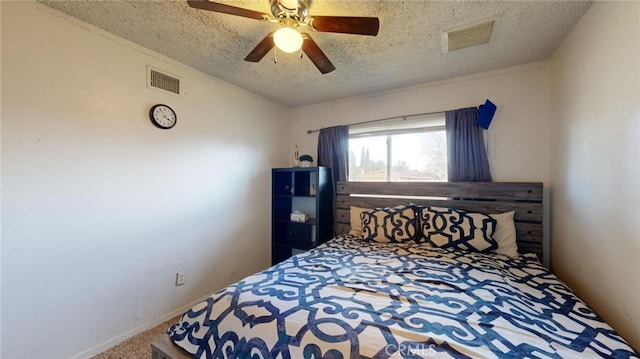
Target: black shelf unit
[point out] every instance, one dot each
(293, 189)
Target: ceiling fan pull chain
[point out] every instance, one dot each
(275, 55)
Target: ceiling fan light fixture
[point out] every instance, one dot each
(287, 39)
(293, 15)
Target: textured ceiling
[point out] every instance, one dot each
(407, 50)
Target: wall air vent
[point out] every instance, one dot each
(468, 36)
(163, 81)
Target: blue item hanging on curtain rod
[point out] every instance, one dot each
(485, 114)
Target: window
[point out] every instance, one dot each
(409, 149)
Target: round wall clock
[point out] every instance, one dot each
(163, 116)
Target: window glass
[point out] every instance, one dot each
(407, 151)
(368, 158)
(419, 156)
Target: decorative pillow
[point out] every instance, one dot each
(356, 222)
(505, 234)
(390, 224)
(454, 228)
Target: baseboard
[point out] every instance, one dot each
(130, 333)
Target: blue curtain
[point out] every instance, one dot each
(333, 151)
(467, 157)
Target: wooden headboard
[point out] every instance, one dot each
(488, 197)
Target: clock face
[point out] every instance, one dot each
(163, 116)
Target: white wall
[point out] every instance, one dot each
(596, 163)
(100, 208)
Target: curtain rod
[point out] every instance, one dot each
(404, 117)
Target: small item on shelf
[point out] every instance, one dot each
(306, 160)
(312, 190)
(297, 216)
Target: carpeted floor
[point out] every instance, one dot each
(138, 346)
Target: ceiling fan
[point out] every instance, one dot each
(293, 16)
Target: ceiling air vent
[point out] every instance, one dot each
(469, 36)
(162, 81)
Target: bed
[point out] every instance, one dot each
(416, 270)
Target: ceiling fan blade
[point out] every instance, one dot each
(346, 24)
(226, 9)
(261, 49)
(316, 55)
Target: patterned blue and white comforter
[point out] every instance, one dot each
(353, 299)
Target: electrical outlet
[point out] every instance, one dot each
(181, 277)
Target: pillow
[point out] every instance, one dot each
(454, 228)
(505, 234)
(390, 224)
(356, 222)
